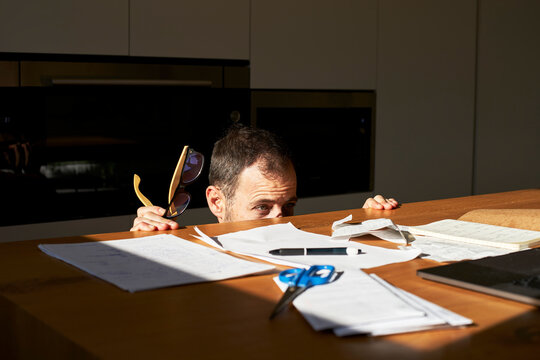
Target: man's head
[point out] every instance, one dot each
(251, 176)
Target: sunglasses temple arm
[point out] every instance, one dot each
(142, 198)
(175, 181)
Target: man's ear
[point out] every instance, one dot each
(216, 202)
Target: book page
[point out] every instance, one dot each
(491, 235)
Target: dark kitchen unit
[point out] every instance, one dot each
(331, 135)
(75, 130)
(74, 133)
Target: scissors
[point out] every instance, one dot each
(299, 280)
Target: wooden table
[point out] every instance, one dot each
(49, 309)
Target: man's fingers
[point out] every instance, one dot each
(371, 203)
(392, 202)
(143, 227)
(144, 211)
(380, 202)
(149, 218)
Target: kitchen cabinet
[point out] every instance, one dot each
(209, 29)
(508, 96)
(9, 73)
(425, 98)
(313, 44)
(64, 27)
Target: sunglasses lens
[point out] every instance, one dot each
(192, 167)
(179, 204)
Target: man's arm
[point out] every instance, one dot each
(150, 218)
(379, 202)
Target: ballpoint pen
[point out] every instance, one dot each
(316, 251)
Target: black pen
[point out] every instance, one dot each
(316, 251)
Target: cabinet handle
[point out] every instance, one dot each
(132, 82)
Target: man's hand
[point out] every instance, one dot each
(150, 218)
(381, 203)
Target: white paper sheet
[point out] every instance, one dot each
(382, 228)
(358, 303)
(479, 234)
(355, 298)
(444, 250)
(434, 317)
(432, 248)
(152, 262)
(259, 241)
(343, 231)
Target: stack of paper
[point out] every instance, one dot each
(355, 303)
(358, 303)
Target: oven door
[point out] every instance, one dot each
(71, 151)
(330, 134)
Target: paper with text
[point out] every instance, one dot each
(481, 234)
(152, 262)
(442, 250)
(259, 241)
(354, 298)
(358, 303)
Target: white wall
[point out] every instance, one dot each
(508, 96)
(425, 98)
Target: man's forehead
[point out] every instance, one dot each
(258, 171)
(254, 185)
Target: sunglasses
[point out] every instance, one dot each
(187, 170)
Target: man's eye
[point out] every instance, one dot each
(290, 205)
(261, 207)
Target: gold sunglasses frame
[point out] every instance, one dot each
(175, 181)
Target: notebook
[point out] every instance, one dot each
(481, 234)
(514, 276)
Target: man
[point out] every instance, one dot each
(251, 177)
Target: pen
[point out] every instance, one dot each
(316, 251)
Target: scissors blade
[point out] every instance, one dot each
(290, 294)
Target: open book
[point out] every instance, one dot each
(482, 234)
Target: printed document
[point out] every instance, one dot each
(358, 303)
(152, 262)
(259, 241)
(443, 250)
(431, 247)
(481, 234)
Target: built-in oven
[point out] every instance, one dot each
(73, 134)
(330, 134)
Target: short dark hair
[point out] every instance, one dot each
(240, 148)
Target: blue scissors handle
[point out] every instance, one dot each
(299, 280)
(315, 275)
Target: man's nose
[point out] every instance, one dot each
(276, 212)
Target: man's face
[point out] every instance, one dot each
(259, 196)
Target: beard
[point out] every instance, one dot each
(229, 213)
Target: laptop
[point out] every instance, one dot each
(514, 276)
